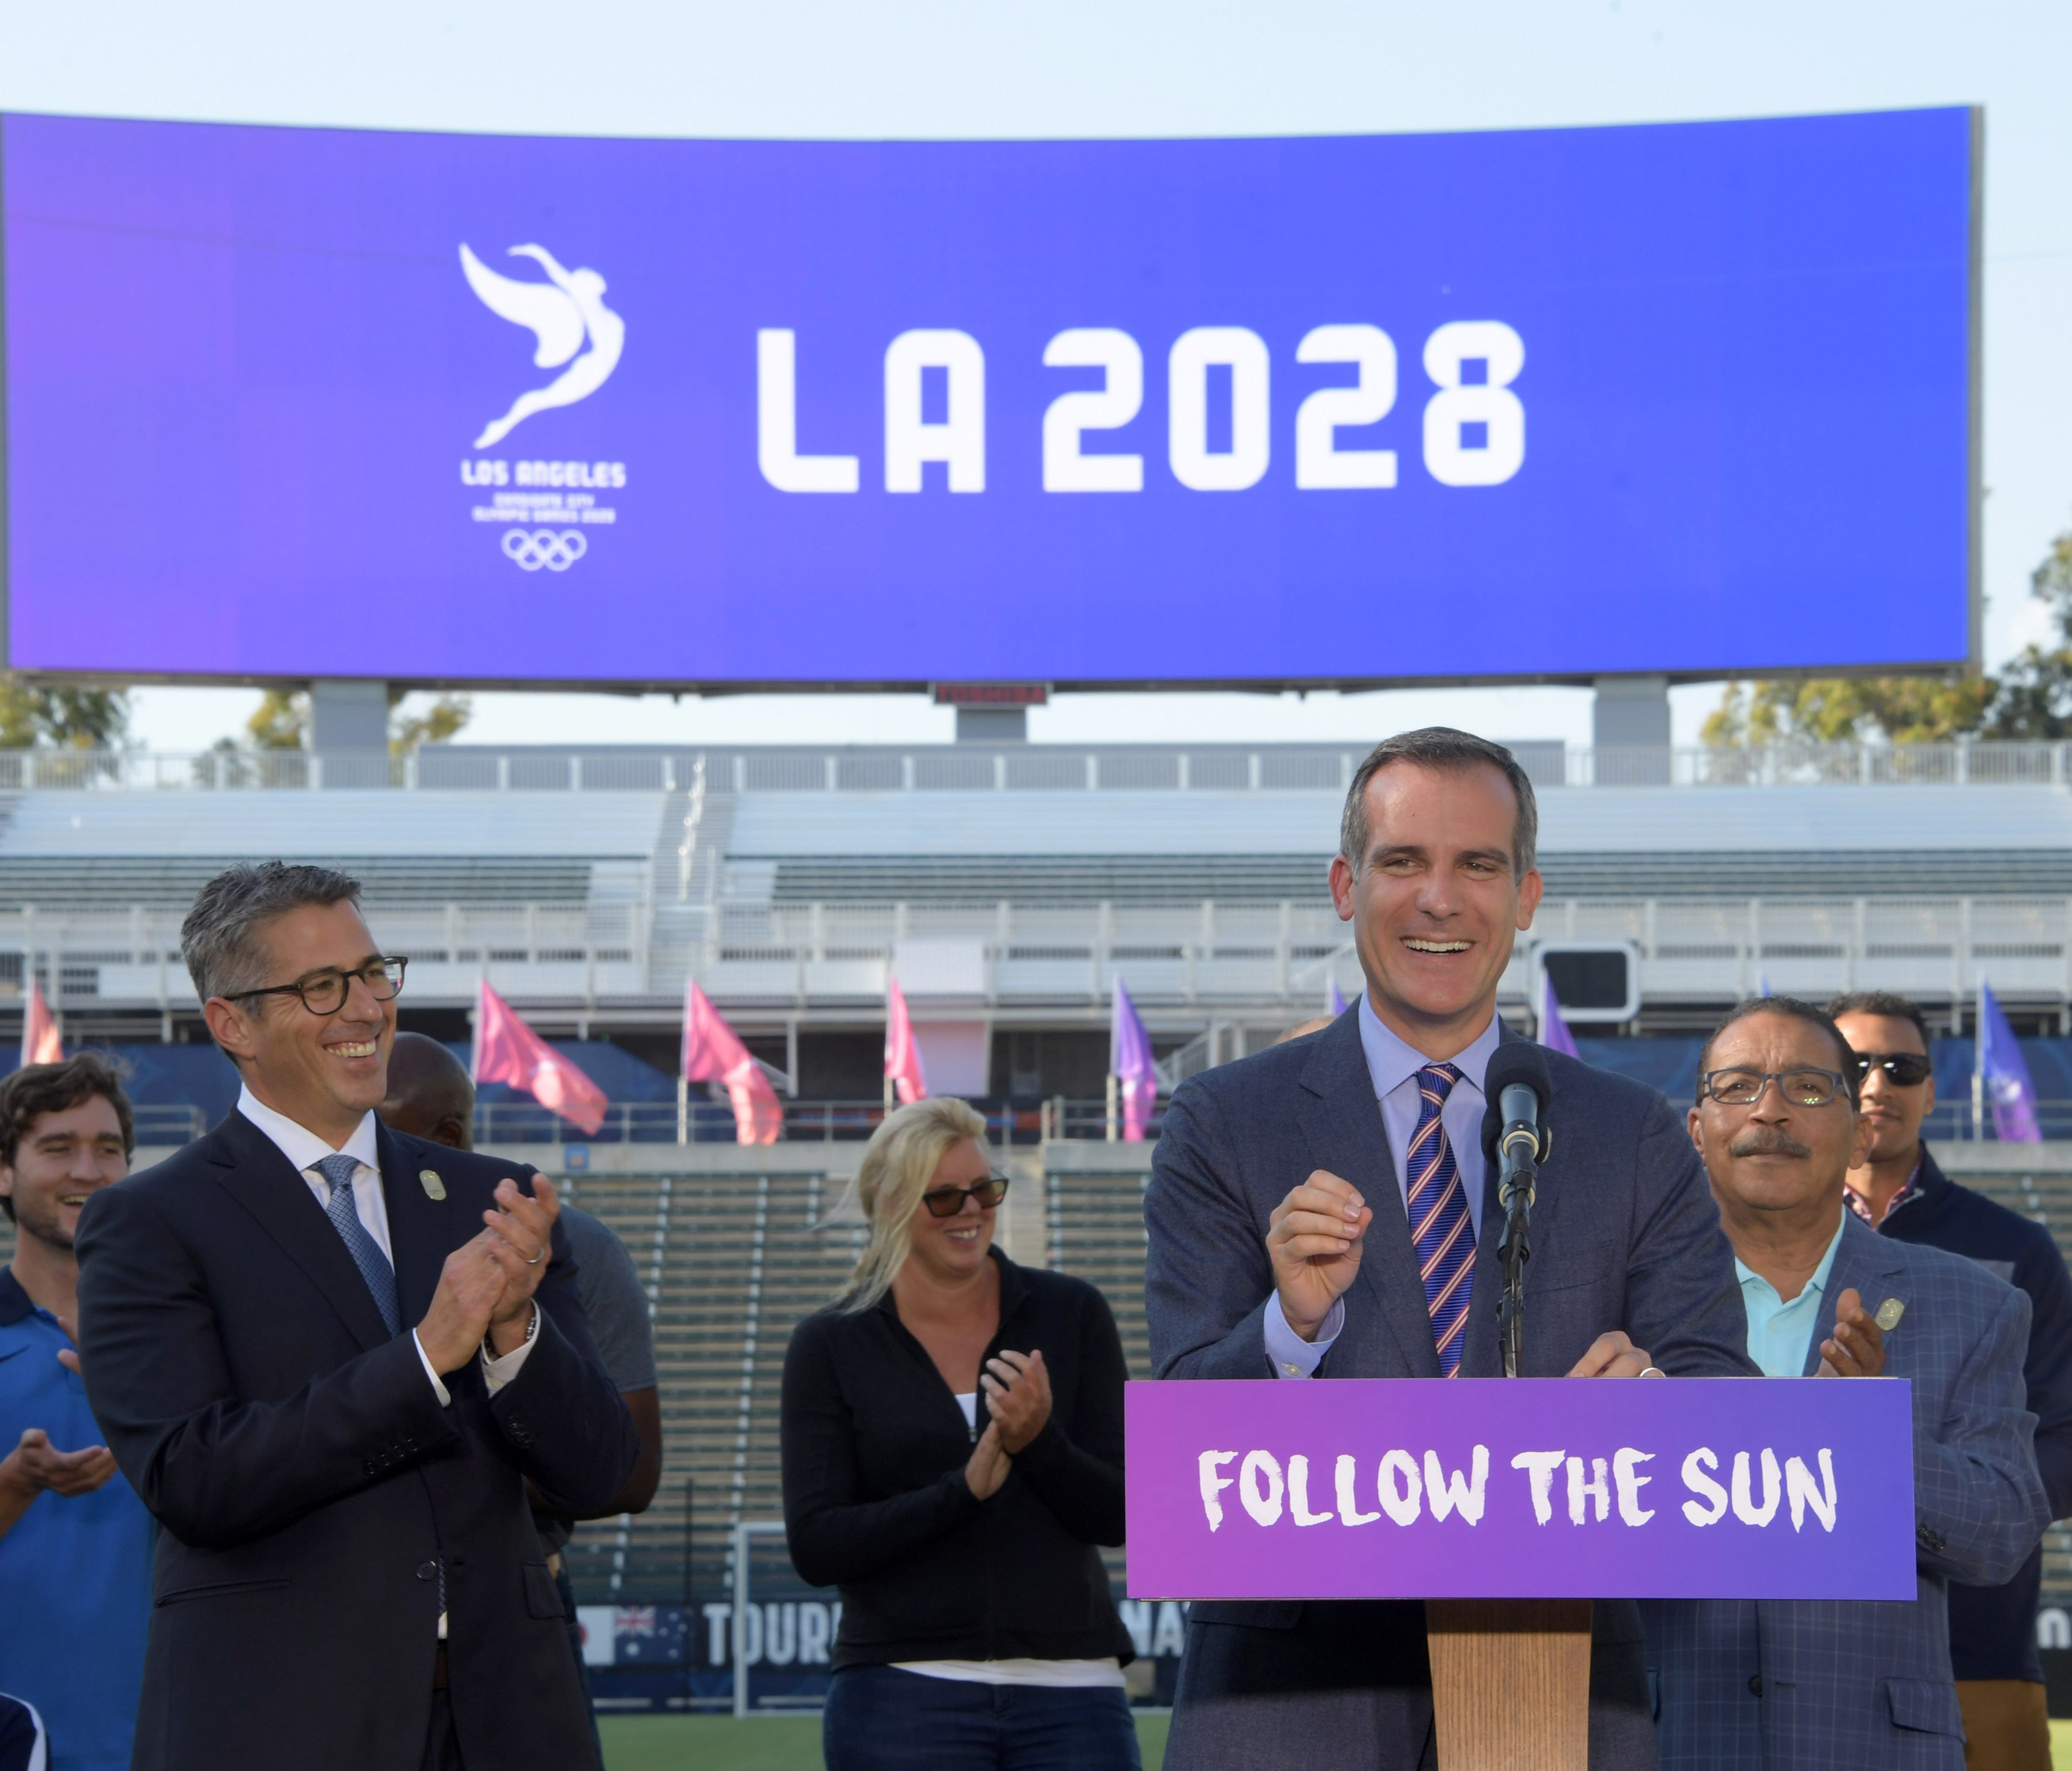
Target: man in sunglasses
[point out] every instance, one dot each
(327, 1357)
(1898, 1190)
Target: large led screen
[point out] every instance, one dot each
(1692, 398)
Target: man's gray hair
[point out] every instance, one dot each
(1442, 747)
(219, 940)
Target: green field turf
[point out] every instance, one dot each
(719, 1742)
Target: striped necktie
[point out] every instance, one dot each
(338, 1171)
(1439, 1226)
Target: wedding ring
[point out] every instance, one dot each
(1655, 1371)
(542, 1255)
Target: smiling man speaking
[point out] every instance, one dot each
(1316, 1211)
(328, 1357)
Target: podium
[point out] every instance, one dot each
(1509, 1505)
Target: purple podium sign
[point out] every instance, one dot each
(1725, 1488)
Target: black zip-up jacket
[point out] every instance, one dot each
(1992, 1630)
(875, 1499)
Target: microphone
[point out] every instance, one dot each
(1515, 1140)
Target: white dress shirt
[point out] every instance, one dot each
(305, 1149)
(1393, 1064)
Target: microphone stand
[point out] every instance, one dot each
(1515, 1194)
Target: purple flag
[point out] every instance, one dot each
(1337, 1000)
(2005, 1075)
(1129, 1061)
(1554, 1033)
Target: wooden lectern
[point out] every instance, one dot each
(1510, 1683)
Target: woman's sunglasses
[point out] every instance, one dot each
(948, 1202)
(1906, 1069)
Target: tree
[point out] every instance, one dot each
(2030, 698)
(73, 719)
(283, 721)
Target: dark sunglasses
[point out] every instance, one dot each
(1908, 1069)
(948, 1202)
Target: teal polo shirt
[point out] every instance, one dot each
(1781, 1334)
(74, 1574)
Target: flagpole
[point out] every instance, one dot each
(1111, 1084)
(683, 1110)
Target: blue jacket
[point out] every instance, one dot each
(1625, 1235)
(1850, 1685)
(1992, 1630)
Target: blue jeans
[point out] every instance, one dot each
(880, 1719)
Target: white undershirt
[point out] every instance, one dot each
(1056, 1674)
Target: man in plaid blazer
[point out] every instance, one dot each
(1844, 1685)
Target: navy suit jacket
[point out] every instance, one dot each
(1850, 1685)
(317, 1505)
(1625, 1235)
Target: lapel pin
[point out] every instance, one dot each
(436, 1189)
(1889, 1313)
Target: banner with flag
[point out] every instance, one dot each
(1129, 1061)
(40, 1043)
(508, 1051)
(902, 1055)
(713, 1053)
(1554, 1033)
(2003, 1076)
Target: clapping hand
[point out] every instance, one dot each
(1017, 1396)
(35, 1465)
(1857, 1347)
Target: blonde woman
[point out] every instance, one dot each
(952, 1438)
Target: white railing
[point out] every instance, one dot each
(1288, 768)
(796, 958)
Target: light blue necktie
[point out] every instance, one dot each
(338, 1171)
(1439, 1224)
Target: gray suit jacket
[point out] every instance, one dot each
(1850, 1685)
(1625, 1235)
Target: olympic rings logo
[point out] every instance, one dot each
(555, 550)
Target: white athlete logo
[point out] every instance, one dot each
(563, 312)
(555, 549)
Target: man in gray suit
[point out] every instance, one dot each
(1322, 1210)
(1845, 1685)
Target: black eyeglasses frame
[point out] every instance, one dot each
(301, 986)
(995, 1183)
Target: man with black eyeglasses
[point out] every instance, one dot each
(1898, 1190)
(328, 1357)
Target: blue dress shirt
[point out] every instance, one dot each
(1393, 1064)
(75, 1572)
(1781, 1334)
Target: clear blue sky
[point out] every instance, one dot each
(1109, 68)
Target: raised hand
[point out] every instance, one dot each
(1314, 1245)
(1857, 1347)
(471, 1286)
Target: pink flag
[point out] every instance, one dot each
(40, 1044)
(507, 1050)
(713, 1053)
(1129, 1061)
(903, 1056)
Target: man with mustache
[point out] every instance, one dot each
(1899, 1191)
(1839, 1684)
